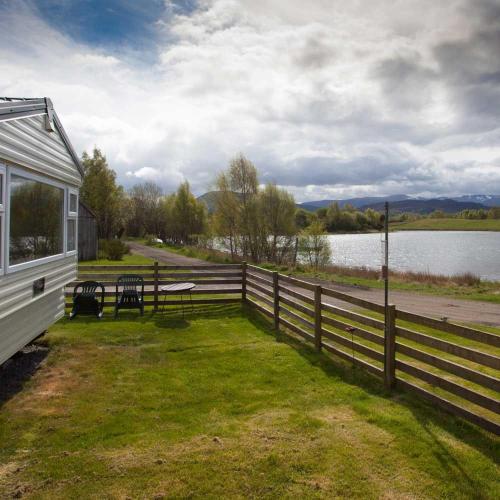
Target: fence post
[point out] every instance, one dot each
(276, 296)
(317, 317)
(244, 281)
(390, 347)
(156, 279)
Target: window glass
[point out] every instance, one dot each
(36, 220)
(73, 207)
(71, 235)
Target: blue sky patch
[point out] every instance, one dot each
(114, 25)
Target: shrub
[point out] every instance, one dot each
(116, 249)
(466, 279)
(112, 249)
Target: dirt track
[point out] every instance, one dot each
(464, 311)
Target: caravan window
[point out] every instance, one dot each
(71, 222)
(2, 187)
(71, 238)
(36, 220)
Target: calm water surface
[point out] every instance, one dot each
(437, 252)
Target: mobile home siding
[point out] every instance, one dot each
(22, 316)
(16, 289)
(25, 142)
(27, 323)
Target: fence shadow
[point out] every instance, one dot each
(427, 416)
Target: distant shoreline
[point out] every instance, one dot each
(448, 224)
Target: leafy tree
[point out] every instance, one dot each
(302, 218)
(237, 190)
(277, 213)
(494, 213)
(258, 223)
(188, 215)
(145, 214)
(243, 180)
(227, 213)
(437, 214)
(314, 246)
(101, 194)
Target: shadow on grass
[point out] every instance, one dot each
(428, 417)
(16, 371)
(173, 318)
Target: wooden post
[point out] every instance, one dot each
(244, 281)
(156, 278)
(276, 296)
(317, 317)
(390, 347)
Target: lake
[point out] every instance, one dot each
(436, 252)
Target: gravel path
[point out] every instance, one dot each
(464, 311)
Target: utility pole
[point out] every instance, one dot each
(385, 267)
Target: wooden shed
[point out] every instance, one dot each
(40, 175)
(87, 233)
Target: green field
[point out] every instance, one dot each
(128, 260)
(448, 225)
(215, 407)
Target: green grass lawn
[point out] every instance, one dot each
(215, 407)
(128, 260)
(450, 224)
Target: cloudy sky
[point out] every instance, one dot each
(329, 98)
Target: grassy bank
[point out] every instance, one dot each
(448, 225)
(465, 286)
(158, 407)
(128, 260)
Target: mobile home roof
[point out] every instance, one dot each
(12, 108)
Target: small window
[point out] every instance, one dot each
(71, 238)
(73, 203)
(2, 188)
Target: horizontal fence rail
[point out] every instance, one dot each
(452, 366)
(211, 282)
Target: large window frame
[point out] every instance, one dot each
(5, 267)
(3, 229)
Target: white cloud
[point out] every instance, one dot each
(328, 98)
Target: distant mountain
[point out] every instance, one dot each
(490, 200)
(355, 202)
(209, 199)
(426, 206)
(399, 203)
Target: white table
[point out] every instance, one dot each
(178, 289)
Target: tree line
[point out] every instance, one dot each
(250, 221)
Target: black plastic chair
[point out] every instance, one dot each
(85, 300)
(129, 293)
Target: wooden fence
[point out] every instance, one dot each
(452, 366)
(209, 280)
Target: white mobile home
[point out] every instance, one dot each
(39, 179)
